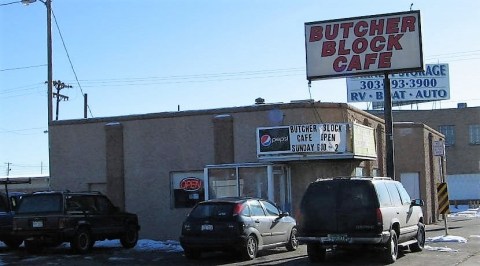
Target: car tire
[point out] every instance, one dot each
(391, 248)
(192, 254)
(13, 243)
(33, 247)
(129, 238)
(250, 249)
(418, 246)
(316, 253)
(292, 241)
(82, 241)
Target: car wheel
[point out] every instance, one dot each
(192, 254)
(130, 237)
(316, 253)
(391, 250)
(33, 246)
(293, 241)
(82, 241)
(251, 248)
(418, 246)
(13, 243)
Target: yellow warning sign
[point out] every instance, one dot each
(443, 202)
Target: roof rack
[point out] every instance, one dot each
(355, 177)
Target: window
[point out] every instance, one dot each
(394, 195)
(359, 171)
(383, 196)
(104, 205)
(253, 182)
(256, 208)
(449, 132)
(188, 188)
(41, 203)
(474, 131)
(216, 210)
(222, 182)
(404, 194)
(271, 209)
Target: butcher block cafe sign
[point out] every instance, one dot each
(364, 45)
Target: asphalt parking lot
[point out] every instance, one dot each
(435, 253)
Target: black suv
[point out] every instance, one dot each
(239, 224)
(81, 218)
(359, 212)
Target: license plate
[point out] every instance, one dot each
(207, 227)
(338, 238)
(37, 224)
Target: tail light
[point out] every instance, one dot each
(299, 217)
(379, 219)
(62, 223)
(238, 208)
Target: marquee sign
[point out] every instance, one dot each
(362, 45)
(306, 138)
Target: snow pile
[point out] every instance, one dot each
(464, 211)
(146, 245)
(447, 238)
(143, 245)
(441, 249)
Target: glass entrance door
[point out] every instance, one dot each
(282, 188)
(266, 181)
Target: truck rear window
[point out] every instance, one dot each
(48, 203)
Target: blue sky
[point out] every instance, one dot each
(134, 57)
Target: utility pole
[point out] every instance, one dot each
(8, 169)
(59, 86)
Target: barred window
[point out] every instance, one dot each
(474, 131)
(449, 132)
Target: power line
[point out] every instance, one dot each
(18, 131)
(19, 68)
(11, 3)
(69, 60)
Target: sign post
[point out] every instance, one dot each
(442, 191)
(387, 112)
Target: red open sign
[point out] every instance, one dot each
(191, 184)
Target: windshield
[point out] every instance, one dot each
(40, 203)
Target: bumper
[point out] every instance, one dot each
(326, 240)
(45, 235)
(209, 243)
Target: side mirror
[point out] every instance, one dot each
(417, 202)
(284, 214)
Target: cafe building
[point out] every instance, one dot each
(159, 165)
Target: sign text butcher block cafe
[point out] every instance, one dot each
(363, 45)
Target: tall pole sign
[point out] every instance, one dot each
(379, 44)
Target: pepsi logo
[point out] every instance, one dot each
(191, 184)
(266, 140)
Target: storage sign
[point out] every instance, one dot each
(307, 138)
(433, 84)
(361, 45)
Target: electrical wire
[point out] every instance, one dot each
(69, 60)
(19, 68)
